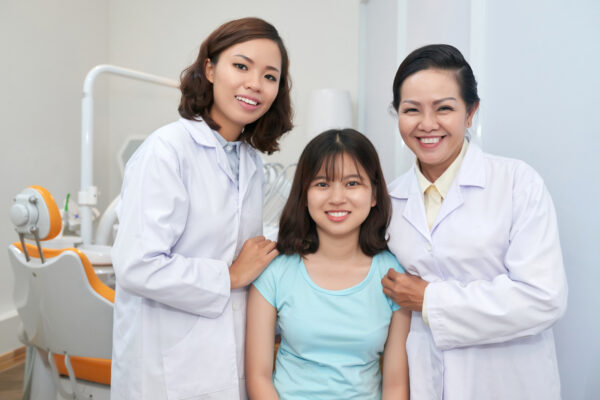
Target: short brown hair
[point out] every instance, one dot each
(197, 91)
(297, 230)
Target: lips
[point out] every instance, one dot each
(430, 141)
(247, 100)
(337, 215)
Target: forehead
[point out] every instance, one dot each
(434, 83)
(260, 51)
(340, 165)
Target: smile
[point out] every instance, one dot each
(430, 140)
(247, 100)
(337, 214)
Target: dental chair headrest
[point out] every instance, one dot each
(34, 208)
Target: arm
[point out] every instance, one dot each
(395, 360)
(260, 344)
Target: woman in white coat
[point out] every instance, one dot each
(479, 236)
(190, 222)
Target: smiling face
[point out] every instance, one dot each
(245, 83)
(433, 119)
(339, 204)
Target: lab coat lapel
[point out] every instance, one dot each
(247, 168)
(471, 174)
(414, 211)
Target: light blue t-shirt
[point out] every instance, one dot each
(331, 340)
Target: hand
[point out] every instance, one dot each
(256, 254)
(406, 290)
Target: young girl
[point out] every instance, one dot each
(325, 289)
(190, 216)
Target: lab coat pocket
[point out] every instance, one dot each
(203, 361)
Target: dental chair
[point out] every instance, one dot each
(66, 311)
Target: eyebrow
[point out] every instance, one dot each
(251, 61)
(318, 177)
(435, 101)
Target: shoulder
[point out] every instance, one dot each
(282, 265)
(510, 171)
(162, 146)
(385, 260)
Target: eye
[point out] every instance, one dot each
(352, 183)
(240, 66)
(271, 78)
(321, 184)
(409, 110)
(445, 108)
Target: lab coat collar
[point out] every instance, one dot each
(200, 132)
(471, 174)
(472, 170)
(203, 136)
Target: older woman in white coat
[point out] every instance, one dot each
(479, 235)
(190, 222)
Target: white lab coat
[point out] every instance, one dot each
(497, 283)
(178, 331)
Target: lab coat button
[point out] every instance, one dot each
(236, 306)
(228, 147)
(429, 248)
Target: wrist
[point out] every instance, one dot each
(233, 280)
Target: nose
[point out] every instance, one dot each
(429, 122)
(253, 82)
(338, 195)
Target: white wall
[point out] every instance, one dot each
(47, 48)
(381, 46)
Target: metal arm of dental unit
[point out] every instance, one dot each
(87, 197)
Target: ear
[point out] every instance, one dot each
(209, 70)
(374, 198)
(471, 114)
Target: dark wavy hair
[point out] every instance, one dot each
(438, 56)
(197, 92)
(297, 230)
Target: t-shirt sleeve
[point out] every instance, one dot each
(266, 283)
(388, 260)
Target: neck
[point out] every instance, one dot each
(432, 172)
(229, 130)
(339, 248)
(231, 134)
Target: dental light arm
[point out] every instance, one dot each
(87, 197)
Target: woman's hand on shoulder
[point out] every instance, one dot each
(408, 291)
(256, 254)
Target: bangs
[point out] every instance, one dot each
(332, 162)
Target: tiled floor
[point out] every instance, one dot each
(11, 383)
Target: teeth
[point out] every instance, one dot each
(245, 100)
(338, 213)
(430, 140)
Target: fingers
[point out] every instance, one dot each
(393, 274)
(271, 255)
(268, 245)
(387, 282)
